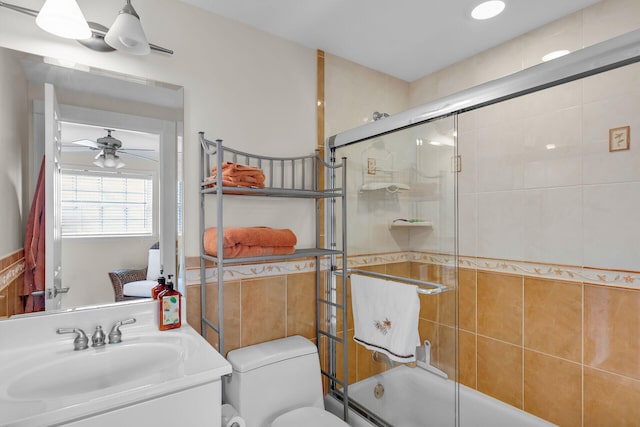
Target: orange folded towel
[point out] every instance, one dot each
(238, 175)
(239, 251)
(250, 241)
(226, 182)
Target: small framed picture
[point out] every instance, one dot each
(619, 138)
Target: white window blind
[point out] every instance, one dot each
(95, 204)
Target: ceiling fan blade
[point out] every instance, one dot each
(139, 156)
(99, 154)
(88, 143)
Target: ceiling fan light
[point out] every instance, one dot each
(119, 163)
(109, 160)
(126, 33)
(99, 161)
(63, 18)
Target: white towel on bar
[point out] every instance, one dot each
(385, 316)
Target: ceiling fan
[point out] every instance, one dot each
(109, 148)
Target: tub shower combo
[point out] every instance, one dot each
(402, 213)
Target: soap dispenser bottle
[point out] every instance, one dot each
(160, 287)
(170, 308)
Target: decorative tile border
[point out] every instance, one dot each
(251, 271)
(603, 277)
(11, 273)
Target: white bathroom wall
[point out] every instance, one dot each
(254, 90)
(15, 132)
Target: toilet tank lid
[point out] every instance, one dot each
(258, 355)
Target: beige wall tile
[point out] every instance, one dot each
(192, 295)
(499, 299)
(610, 18)
(232, 319)
(564, 33)
(553, 389)
(366, 366)
(467, 358)
(553, 317)
(301, 305)
(447, 307)
(610, 400)
(428, 330)
(500, 370)
(447, 350)
(467, 299)
(263, 310)
(354, 92)
(612, 330)
(400, 269)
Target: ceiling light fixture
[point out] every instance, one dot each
(57, 17)
(63, 18)
(108, 158)
(488, 9)
(555, 54)
(126, 33)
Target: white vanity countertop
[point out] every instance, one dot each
(43, 381)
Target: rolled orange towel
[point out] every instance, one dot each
(237, 239)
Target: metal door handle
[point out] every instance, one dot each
(52, 292)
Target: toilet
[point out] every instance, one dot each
(278, 384)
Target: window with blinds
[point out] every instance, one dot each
(100, 204)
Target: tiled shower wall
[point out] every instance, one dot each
(538, 337)
(565, 351)
(539, 184)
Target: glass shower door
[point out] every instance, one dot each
(402, 227)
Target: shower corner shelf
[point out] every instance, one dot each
(397, 225)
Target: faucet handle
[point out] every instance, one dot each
(115, 336)
(98, 338)
(81, 342)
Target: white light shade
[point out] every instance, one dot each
(119, 163)
(109, 160)
(63, 18)
(126, 34)
(488, 9)
(99, 161)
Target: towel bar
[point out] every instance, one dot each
(427, 288)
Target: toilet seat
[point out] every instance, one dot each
(308, 417)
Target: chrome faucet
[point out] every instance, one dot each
(81, 342)
(98, 339)
(115, 336)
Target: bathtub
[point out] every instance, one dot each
(414, 397)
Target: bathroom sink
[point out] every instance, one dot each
(45, 382)
(94, 369)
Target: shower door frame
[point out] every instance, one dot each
(598, 58)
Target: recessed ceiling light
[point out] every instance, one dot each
(487, 10)
(555, 54)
